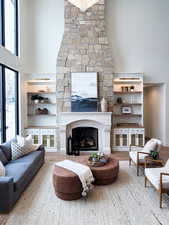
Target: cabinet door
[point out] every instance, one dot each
(133, 139)
(52, 141)
(124, 139)
(117, 139)
(35, 139)
(140, 139)
(45, 140)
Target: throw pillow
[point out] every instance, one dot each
(25, 141)
(3, 159)
(6, 148)
(22, 146)
(150, 146)
(2, 170)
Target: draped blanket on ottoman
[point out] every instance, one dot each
(84, 173)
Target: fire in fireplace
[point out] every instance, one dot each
(85, 138)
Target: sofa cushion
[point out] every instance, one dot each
(133, 156)
(3, 158)
(153, 175)
(6, 149)
(2, 170)
(20, 168)
(151, 145)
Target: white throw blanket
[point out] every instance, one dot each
(84, 173)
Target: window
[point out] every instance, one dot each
(9, 25)
(8, 103)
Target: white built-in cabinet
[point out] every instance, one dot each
(128, 119)
(41, 114)
(45, 136)
(123, 138)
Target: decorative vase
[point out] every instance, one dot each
(36, 101)
(103, 105)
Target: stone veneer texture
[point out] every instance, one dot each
(84, 48)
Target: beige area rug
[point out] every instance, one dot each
(125, 202)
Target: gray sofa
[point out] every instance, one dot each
(19, 174)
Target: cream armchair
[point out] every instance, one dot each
(138, 157)
(159, 178)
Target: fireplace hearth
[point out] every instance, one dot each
(85, 138)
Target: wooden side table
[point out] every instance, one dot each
(149, 161)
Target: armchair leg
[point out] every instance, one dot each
(161, 200)
(145, 181)
(129, 161)
(137, 170)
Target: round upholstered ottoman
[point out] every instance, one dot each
(106, 174)
(66, 184)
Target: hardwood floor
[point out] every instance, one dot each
(120, 155)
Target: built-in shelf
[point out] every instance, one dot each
(127, 92)
(127, 104)
(40, 127)
(41, 114)
(127, 81)
(41, 81)
(42, 92)
(128, 126)
(42, 103)
(127, 115)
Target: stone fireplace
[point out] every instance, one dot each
(84, 48)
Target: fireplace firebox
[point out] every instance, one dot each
(85, 138)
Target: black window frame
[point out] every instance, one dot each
(3, 101)
(2, 26)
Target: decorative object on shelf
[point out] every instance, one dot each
(119, 100)
(83, 4)
(40, 90)
(132, 88)
(69, 146)
(122, 88)
(35, 98)
(126, 89)
(154, 154)
(103, 105)
(126, 109)
(76, 151)
(98, 159)
(40, 111)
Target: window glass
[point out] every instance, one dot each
(10, 103)
(10, 25)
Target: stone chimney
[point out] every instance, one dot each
(84, 48)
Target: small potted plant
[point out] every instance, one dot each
(154, 154)
(97, 159)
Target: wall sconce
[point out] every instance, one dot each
(83, 4)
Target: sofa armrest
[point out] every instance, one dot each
(41, 148)
(138, 154)
(161, 180)
(139, 146)
(6, 193)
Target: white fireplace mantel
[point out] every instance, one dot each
(99, 120)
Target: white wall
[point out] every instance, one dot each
(139, 37)
(42, 27)
(154, 111)
(137, 29)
